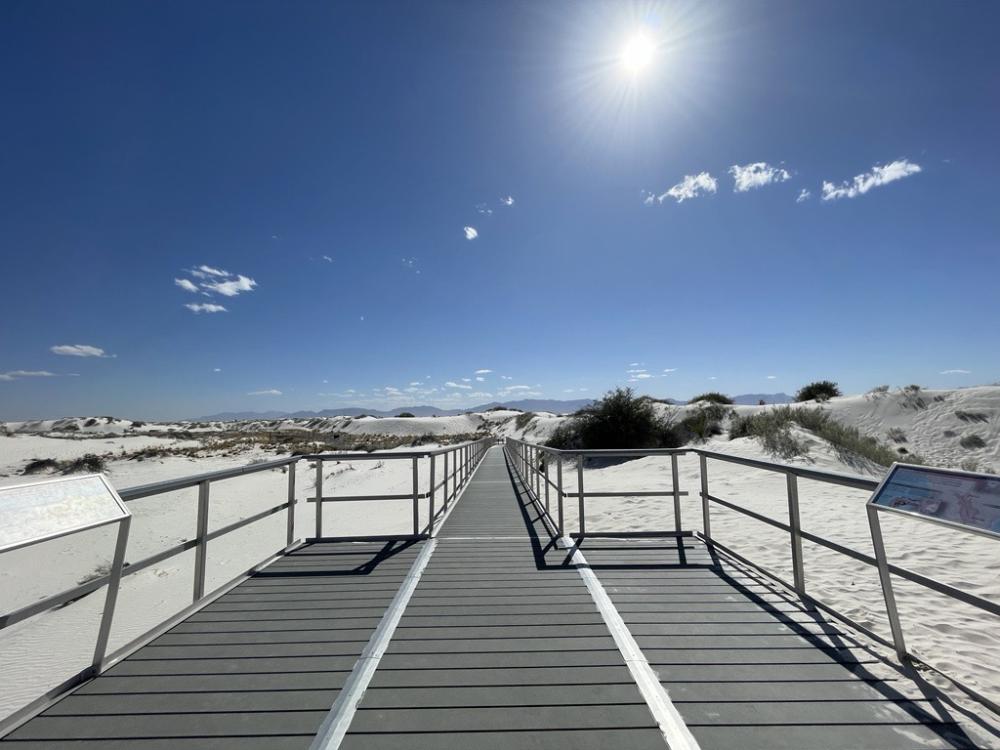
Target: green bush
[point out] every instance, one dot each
(405, 415)
(619, 420)
(522, 420)
(703, 422)
(821, 390)
(773, 429)
(712, 397)
(896, 435)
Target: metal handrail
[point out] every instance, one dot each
(523, 456)
(466, 457)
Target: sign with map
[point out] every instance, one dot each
(955, 498)
(44, 510)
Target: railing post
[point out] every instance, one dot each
(885, 577)
(201, 551)
(706, 518)
(538, 474)
(674, 475)
(111, 597)
(579, 485)
(559, 493)
(547, 486)
(416, 499)
(291, 501)
(795, 523)
(430, 523)
(444, 488)
(319, 498)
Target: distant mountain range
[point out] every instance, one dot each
(556, 406)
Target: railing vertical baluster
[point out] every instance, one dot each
(885, 578)
(444, 488)
(416, 499)
(795, 522)
(546, 459)
(430, 523)
(559, 494)
(705, 516)
(319, 498)
(674, 475)
(201, 551)
(579, 486)
(111, 597)
(291, 502)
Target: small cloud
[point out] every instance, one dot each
(956, 372)
(453, 384)
(483, 372)
(327, 258)
(772, 377)
(466, 380)
(81, 350)
(878, 176)
(206, 307)
(267, 392)
(670, 369)
(507, 201)
(506, 377)
(756, 175)
(483, 209)
(186, 284)
(204, 272)
(634, 364)
(804, 195)
(470, 233)
(231, 287)
(18, 374)
(712, 377)
(416, 382)
(690, 187)
(219, 369)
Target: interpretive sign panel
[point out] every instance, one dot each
(954, 498)
(44, 510)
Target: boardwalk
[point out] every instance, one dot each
(501, 643)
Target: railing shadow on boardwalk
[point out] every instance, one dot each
(935, 711)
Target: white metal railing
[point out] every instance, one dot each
(531, 463)
(459, 462)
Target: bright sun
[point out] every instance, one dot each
(638, 53)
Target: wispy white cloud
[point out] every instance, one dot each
(506, 377)
(81, 350)
(507, 200)
(669, 369)
(956, 372)
(265, 392)
(483, 209)
(231, 287)
(186, 284)
(453, 384)
(327, 258)
(216, 281)
(772, 377)
(217, 369)
(205, 272)
(18, 374)
(756, 175)
(480, 379)
(483, 372)
(411, 263)
(690, 187)
(470, 233)
(878, 176)
(206, 307)
(804, 195)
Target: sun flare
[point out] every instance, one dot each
(638, 53)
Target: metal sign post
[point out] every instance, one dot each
(960, 500)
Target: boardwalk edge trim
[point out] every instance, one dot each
(334, 727)
(668, 718)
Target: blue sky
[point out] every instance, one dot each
(312, 167)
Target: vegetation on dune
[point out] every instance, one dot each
(406, 415)
(712, 397)
(86, 464)
(522, 420)
(820, 390)
(774, 429)
(619, 420)
(972, 442)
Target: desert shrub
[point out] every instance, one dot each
(949, 433)
(972, 442)
(71, 427)
(138, 424)
(39, 465)
(405, 415)
(703, 422)
(619, 420)
(712, 397)
(911, 397)
(523, 419)
(774, 430)
(877, 392)
(90, 422)
(896, 435)
(89, 463)
(971, 416)
(820, 390)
